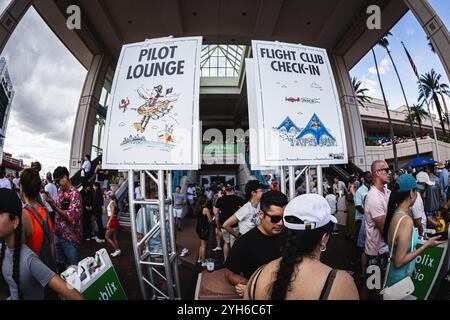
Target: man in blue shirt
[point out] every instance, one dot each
(443, 179)
(360, 196)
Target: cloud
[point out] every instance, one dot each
(410, 31)
(47, 80)
(383, 67)
(24, 156)
(370, 84)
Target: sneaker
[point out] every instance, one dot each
(203, 264)
(98, 240)
(184, 252)
(217, 249)
(87, 239)
(116, 253)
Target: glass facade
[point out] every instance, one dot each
(222, 60)
(98, 137)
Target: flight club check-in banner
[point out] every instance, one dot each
(299, 119)
(153, 114)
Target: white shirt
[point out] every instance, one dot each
(86, 167)
(138, 193)
(5, 183)
(339, 188)
(16, 182)
(248, 217)
(331, 198)
(52, 190)
(191, 190)
(418, 211)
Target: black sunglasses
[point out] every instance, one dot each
(274, 219)
(387, 170)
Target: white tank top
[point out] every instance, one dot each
(108, 209)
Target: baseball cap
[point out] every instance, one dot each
(406, 182)
(10, 202)
(422, 177)
(312, 209)
(254, 185)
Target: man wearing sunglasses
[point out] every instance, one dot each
(260, 245)
(375, 210)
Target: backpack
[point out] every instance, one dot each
(45, 254)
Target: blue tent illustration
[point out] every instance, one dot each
(288, 124)
(315, 128)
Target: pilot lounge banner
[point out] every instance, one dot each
(153, 113)
(299, 120)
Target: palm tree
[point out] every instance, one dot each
(417, 116)
(442, 92)
(394, 147)
(429, 87)
(360, 92)
(384, 42)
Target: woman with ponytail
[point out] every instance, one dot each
(20, 268)
(299, 274)
(403, 243)
(36, 220)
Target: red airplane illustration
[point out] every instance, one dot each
(291, 99)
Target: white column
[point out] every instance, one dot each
(354, 132)
(83, 129)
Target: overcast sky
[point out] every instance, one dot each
(48, 82)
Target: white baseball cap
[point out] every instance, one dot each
(312, 209)
(424, 178)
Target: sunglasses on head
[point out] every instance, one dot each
(274, 219)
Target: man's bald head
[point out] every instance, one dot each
(377, 165)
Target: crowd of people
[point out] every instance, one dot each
(272, 247)
(269, 242)
(43, 223)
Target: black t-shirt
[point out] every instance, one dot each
(228, 205)
(253, 250)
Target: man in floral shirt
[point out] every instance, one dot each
(68, 220)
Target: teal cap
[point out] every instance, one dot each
(407, 182)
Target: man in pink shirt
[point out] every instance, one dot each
(375, 210)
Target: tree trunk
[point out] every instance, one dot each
(439, 110)
(391, 128)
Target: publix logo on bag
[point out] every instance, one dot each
(106, 287)
(108, 291)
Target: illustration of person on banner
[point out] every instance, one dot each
(153, 108)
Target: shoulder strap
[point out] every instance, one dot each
(328, 285)
(392, 249)
(251, 284)
(39, 218)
